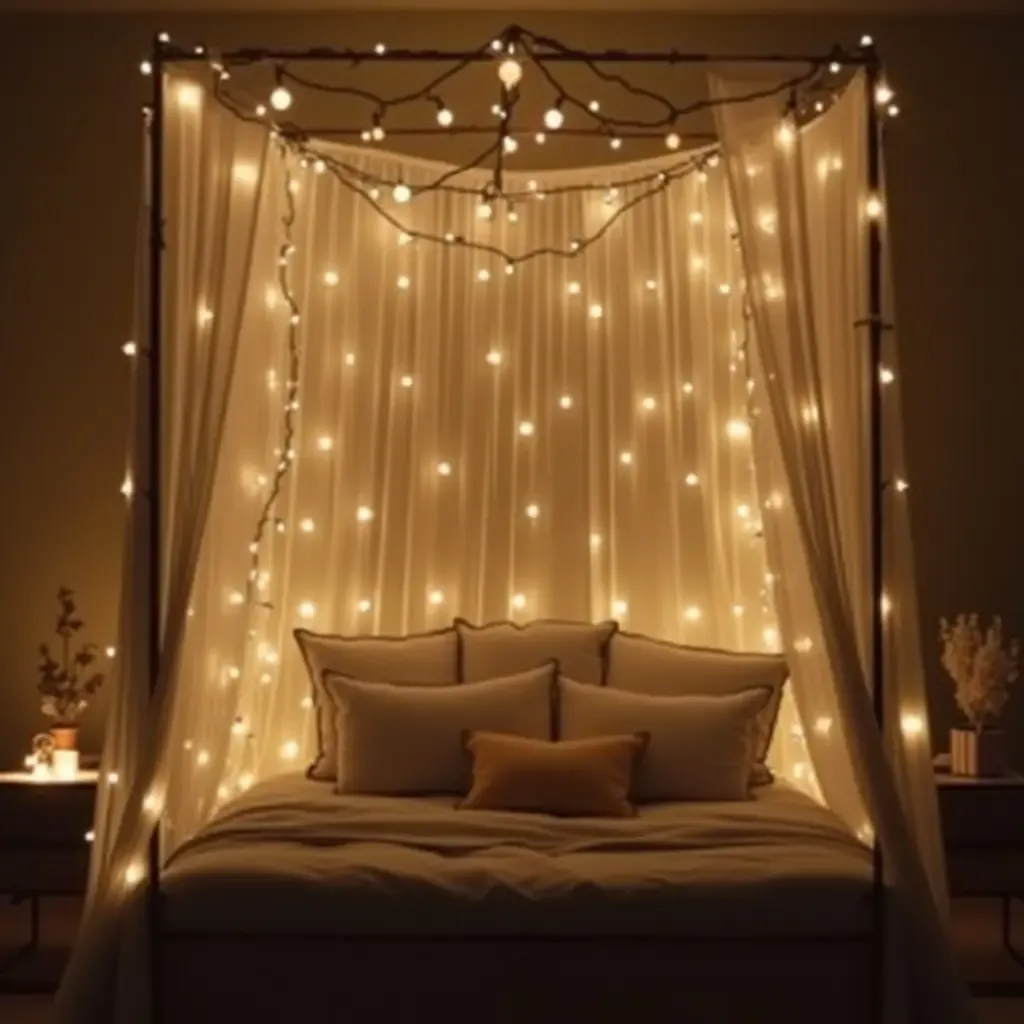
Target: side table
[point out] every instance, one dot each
(44, 851)
(983, 833)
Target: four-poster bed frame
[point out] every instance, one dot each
(166, 55)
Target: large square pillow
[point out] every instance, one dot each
(700, 748)
(499, 648)
(418, 659)
(642, 665)
(589, 778)
(409, 740)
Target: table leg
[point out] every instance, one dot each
(1011, 950)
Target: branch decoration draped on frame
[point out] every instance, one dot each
(395, 391)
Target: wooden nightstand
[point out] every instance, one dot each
(44, 851)
(983, 832)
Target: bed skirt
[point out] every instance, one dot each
(210, 978)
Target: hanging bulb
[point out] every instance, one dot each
(509, 144)
(554, 118)
(615, 142)
(540, 138)
(444, 116)
(672, 141)
(281, 98)
(510, 72)
(883, 94)
(484, 211)
(401, 193)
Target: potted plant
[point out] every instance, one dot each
(67, 684)
(982, 667)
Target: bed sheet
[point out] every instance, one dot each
(293, 857)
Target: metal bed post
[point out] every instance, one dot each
(876, 327)
(158, 63)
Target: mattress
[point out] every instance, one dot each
(292, 857)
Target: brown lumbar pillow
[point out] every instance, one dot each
(587, 778)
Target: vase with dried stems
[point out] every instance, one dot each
(68, 677)
(982, 665)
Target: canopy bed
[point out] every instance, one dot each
(638, 422)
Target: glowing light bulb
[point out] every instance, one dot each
(403, 282)
(823, 725)
(912, 725)
(494, 357)
(445, 117)
(866, 41)
(289, 750)
(238, 727)
(145, 67)
(873, 208)
(444, 469)
(526, 429)
(595, 541)
(113, 778)
(401, 193)
(436, 597)
(236, 597)
(90, 836)
(743, 511)
(737, 611)
(306, 525)
(596, 311)
(406, 381)
(626, 458)
(786, 135)
(350, 359)
(553, 119)
(518, 602)
(615, 142)
(672, 140)
(331, 278)
(835, 67)
(648, 404)
(324, 443)
(133, 874)
(737, 430)
(565, 402)
(697, 264)
(129, 348)
(803, 644)
(883, 94)
(540, 138)
(364, 605)
(687, 388)
(404, 238)
(510, 72)
(651, 285)
(203, 758)
(725, 289)
(281, 98)
(306, 610)
(532, 511)
(509, 144)
(771, 638)
(902, 485)
(692, 480)
(620, 609)
(573, 287)
(245, 781)
(483, 275)
(364, 514)
(692, 614)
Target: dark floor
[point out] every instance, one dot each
(976, 926)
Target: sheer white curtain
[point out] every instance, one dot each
(802, 208)
(210, 216)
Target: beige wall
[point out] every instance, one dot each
(70, 172)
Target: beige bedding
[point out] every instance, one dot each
(293, 857)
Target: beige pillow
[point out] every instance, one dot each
(503, 647)
(701, 748)
(422, 658)
(642, 665)
(589, 778)
(395, 739)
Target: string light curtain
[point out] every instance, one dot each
(397, 431)
(802, 209)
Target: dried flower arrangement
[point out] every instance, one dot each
(981, 665)
(67, 685)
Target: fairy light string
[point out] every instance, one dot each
(285, 453)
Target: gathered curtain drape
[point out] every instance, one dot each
(802, 206)
(368, 429)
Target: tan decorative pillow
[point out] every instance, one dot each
(589, 778)
(700, 748)
(641, 664)
(499, 648)
(408, 740)
(418, 659)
